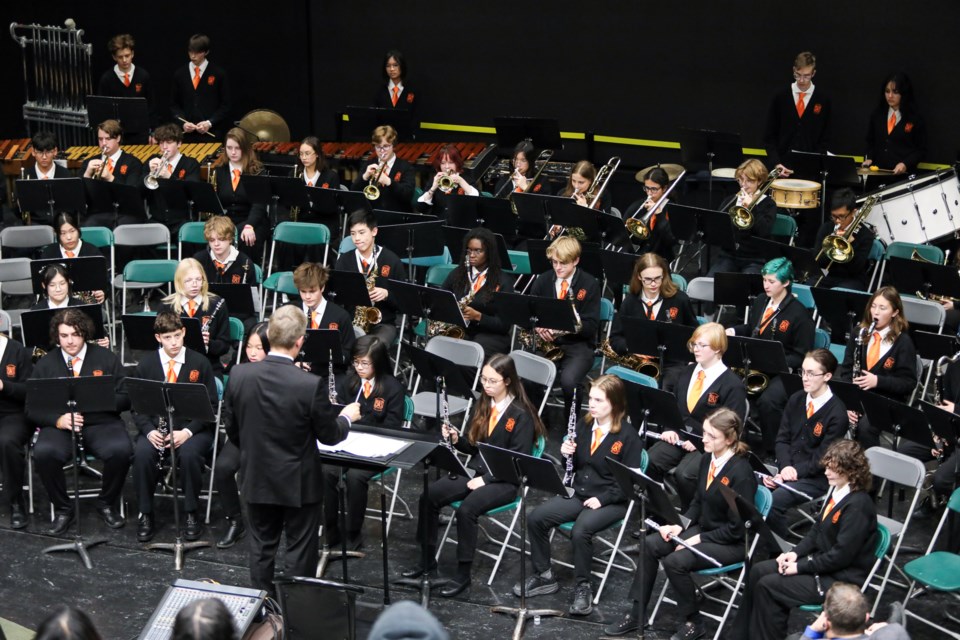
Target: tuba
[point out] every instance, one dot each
(641, 364)
(742, 217)
(639, 228)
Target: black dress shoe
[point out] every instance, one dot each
(145, 528)
(234, 532)
(627, 625)
(455, 587)
(61, 523)
(417, 571)
(110, 517)
(18, 518)
(689, 631)
(194, 528)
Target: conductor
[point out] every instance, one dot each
(276, 412)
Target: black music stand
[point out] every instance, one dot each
(87, 394)
(62, 194)
(852, 397)
(533, 312)
(35, 325)
(418, 301)
(617, 269)
(387, 217)
(453, 239)
(190, 401)
(804, 265)
(347, 289)
(241, 299)
(665, 339)
(414, 240)
(495, 214)
(945, 426)
(140, 334)
(841, 309)
(132, 113)
(756, 353)
(88, 273)
(565, 212)
(699, 147)
(661, 408)
(536, 208)
(824, 168)
(322, 347)
(933, 346)
(192, 196)
(526, 471)
(939, 279)
(589, 258)
(899, 419)
(114, 196)
(261, 189)
(694, 224)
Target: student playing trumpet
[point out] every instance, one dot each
(389, 181)
(448, 163)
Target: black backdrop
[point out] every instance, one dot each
(617, 68)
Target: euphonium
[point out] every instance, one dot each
(640, 364)
(742, 217)
(639, 228)
(372, 191)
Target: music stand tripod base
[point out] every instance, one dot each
(179, 549)
(327, 554)
(80, 546)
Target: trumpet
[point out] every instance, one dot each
(151, 181)
(639, 228)
(98, 174)
(641, 364)
(372, 191)
(447, 182)
(742, 217)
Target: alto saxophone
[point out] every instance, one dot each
(551, 351)
(364, 317)
(438, 328)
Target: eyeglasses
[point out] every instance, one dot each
(811, 374)
(491, 381)
(383, 147)
(700, 345)
(193, 281)
(652, 189)
(362, 364)
(474, 252)
(841, 217)
(803, 76)
(656, 280)
(557, 263)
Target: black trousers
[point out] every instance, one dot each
(14, 435)
(474, 504)
(108, 442)
(768, 598)
(678, 565)
(770, 406)
(784, 500)
(191, 456)
(664, 457)
(357, 485)
(572, 373)
(587, 523)
(225, 479)
(266, 523)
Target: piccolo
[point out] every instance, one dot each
(659, 436)
(683, 543)
(784, 485)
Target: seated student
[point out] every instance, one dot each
(255, 348)
(45, 150)
(70, 243)
(811, 421)
(112, 165)
(597, 501)
(381, 397)
(713, 528)
(523, 162)
(750, 175)
(223, 263)
(845, 615)
(661, 240)
(839, 547)
(192, 299)
(448, 164)
(505, 418)
(57, 287)
(171, 165)
(193, 439)
(103, 434)
(568, 282)
(377, 264)
(699, 388)
(310, 279)
(580, 183)
(394, 177)
(15, 367)
(854, 274)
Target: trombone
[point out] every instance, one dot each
(372, 191)
(742, 217)
(639, 228)
(592, 195)
(839, 247)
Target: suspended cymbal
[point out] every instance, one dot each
(267, 125)
(673, 171)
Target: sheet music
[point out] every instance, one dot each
(365, 445)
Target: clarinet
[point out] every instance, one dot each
(331, 381)
(164, 431)
(79, 432)
(571, 437)
(445, 416)
(205, 327)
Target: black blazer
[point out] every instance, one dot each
(237, 206)
(187, 169)
(406, 101)
(195, 369)
(240, 271)
(490, 321)
(858, 268)
(514, 430)
(385, 406)
(661, 240)
(709, 509)
(43, 303)
(503, 188)
(219, 329)
(98, 362)
(896, 371)
(334, 317)
(16, 366)
(786, 131)
(764, 215)
(586, 296)
(276, 414)
(398, 196)
(841, 545)
(802, 441)
(389, 267)
(141, 86)
(726, 391)
(127, 170)
(593, 477)
(676, 309)
(209, 101)
(907, 143)
(792, 326)
(87, 250)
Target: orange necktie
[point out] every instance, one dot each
(126, 79)
(597, 437)
(236, 179)
(800, 106)
(826, 512)
(314, 324)
(396, 95)
(711, 473)
(809, 410)
(221, 266)
(873, 354)
(309, 183)
(696, 390)
(171, 371)
(196, 77)
(650, 307)
(494, 416)
(191, 308)
(366, 389)
(766, 319)
(564, 285)
(170, 169)
(76, 367)
(891, 123)
(109, 165)
(364, 264)
(70, 254)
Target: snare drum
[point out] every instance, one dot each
(789, 193)
(918, 211)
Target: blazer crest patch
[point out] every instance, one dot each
(11, 371)
(123, 169)
(818, 430)
(378, 404)
(817, 108)
(511, 423)
(409, 98)
(97, 373)
(194, 375)
(784, 325)
(725, 481)
(211, 80)
(713, 398)
(673, 313)
(182, 174)
(385, 271)
(616, 448)
(581, 294)
(333, 325)
(908, 127)
(396, 176)
(235, 278)
(888, 363)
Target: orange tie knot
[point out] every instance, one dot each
(70, 254)
(126, 79)
(196, 77)
(809, 409)
(367, 389)
(494, 416)
(191, 308)
(564, 286)
(171, 371)
(236, 179)
(597, 438)
(711, 473)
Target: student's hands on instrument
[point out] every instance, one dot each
(379, 294)
(787, 474)
(900, 168)
(853, 417)
(866, 381)
(546, 334)
(63, 422)
(695, 540)
(668, 530)
(568, 447)
(449, 433)
(787, 563)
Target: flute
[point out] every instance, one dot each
(659, 436)
(762, 476)
(683, 543)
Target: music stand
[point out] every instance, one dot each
(533, 312)
(691, 224)
(414, 240)
(752, 521)
(568, 214)
(936, 279)
(756, 353)
(525, 471)
(933, 346)
(87, 394)
(261, 189)
(322, 347)
(946, 426)
(852, 397)
(495, 214)
(61, 194)
(589, 257)
(35, 325)
(704, 146)
(88, 273)
(192, 196)
(114, 196)
(544, 133)
(617, 269)
(190, 401)
(841, 309)
(899, 419)
(141, 336)
(661, 408)
(347, 289)
(132, 113)
(649, 337)
(536, 208)
(802, 259)
(241, 299)
(431, 303)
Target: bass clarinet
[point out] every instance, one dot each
(571, 437)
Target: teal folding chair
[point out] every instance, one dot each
(632, 376)
(299, 233)
(906, 251)
(680, 281)
(144, 274)
(883, 545)
(280, 282)
(190, 233)
(784, 229)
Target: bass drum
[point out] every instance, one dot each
(919, 210)
(790, 193)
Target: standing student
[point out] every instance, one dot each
(395, 94)
(394, 177)
(127, 80)
(250, 217)
(171, 165)
(896, 136)
(16, 367)
(277, 413)
(200, 95)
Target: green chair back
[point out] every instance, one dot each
(301, 233)
(98, 236)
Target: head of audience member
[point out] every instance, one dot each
(67, 623)
(846, 610)
(206, 619)
(407, 620)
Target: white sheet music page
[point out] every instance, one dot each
(365, 445)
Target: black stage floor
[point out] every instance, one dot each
(127, 582)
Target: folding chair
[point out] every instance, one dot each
(460, 352)
(279, 282)
(15, 280)
(144, 274)
(895, 468)
(428, 261)
(190, 233)
(149, 234)
(300, 233)
(762, 500)
(821, 339)
(924, 312)
(877, 249)
(701, 290)
(32, 237)
(803, 295)
(905, 250)
(394, 491)
(936, 571)
(633, 376)
(784, 229)
(219, 429)
(536, 370)
(679, 280)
